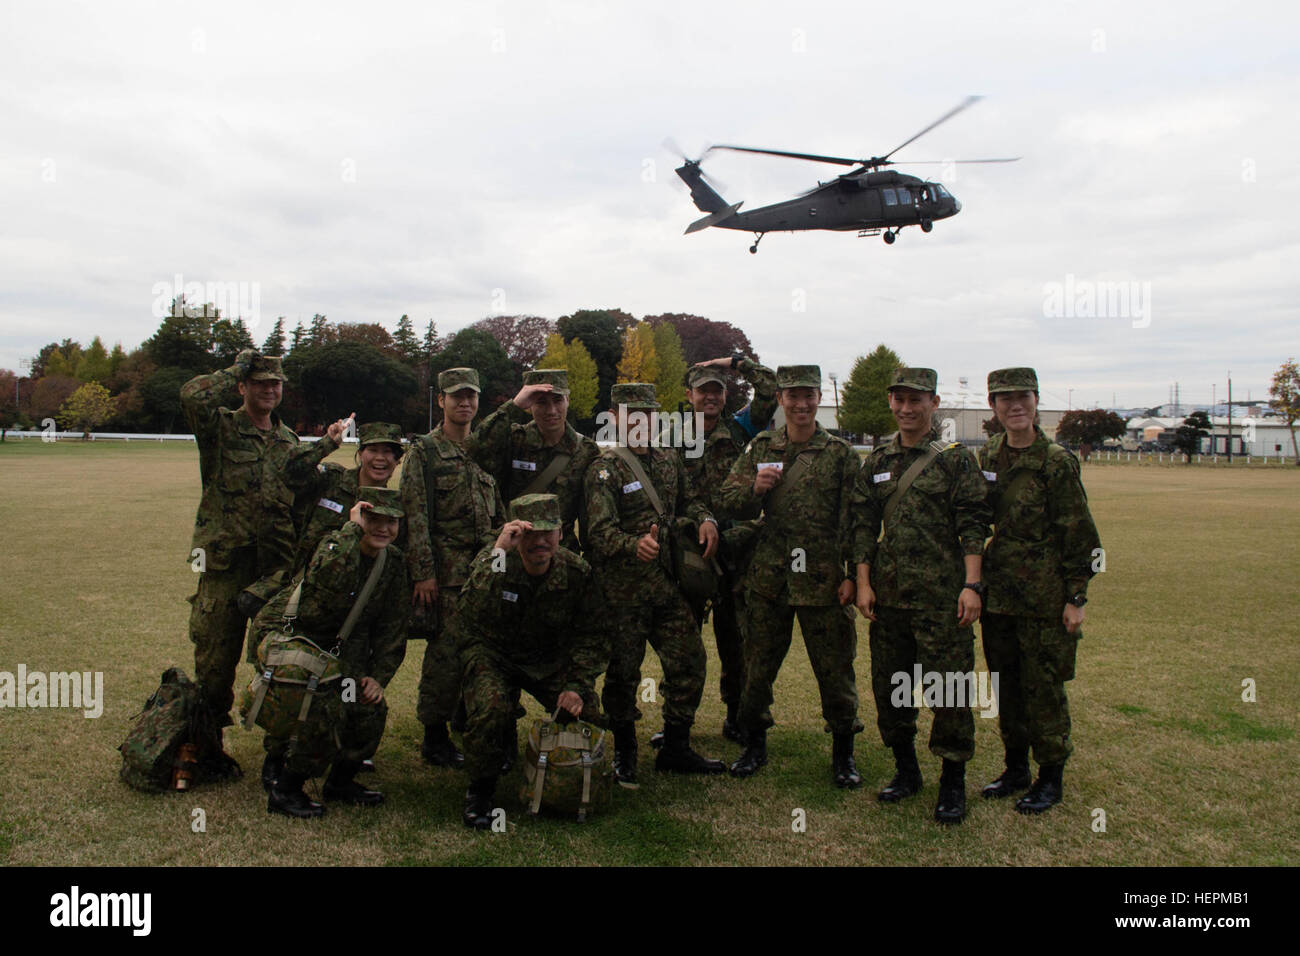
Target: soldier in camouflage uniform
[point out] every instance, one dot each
(452, 506)
(342, 728)
(919, 582)
(243, 530)
(535, 624)
(1037, 568)
(327, 492)
(627, 540)
(726, 436)
(800, 479)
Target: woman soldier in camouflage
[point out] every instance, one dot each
(347, 717)
(1037, 567)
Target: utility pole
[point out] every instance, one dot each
(835, 384)
(430, 408)
(1230, 417)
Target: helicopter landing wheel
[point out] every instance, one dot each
(753, 249)
(889, 238)
(926, 225)
(758, 237)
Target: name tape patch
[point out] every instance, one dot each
(331, 505)
(510, 596)
(524, 465)
(991, 475)
(634, 486)
(778, 465)
(882, 476)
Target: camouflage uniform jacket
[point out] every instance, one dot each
(330, 585)
(918, 562)
(619, 513)
(326, 495)
(508, 446)
(247, 494)
(802, 551)
(451, 507)
(1042, 550)
(544, 626)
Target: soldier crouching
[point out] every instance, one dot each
(346, 718)
(529, 618)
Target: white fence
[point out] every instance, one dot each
(123, 436)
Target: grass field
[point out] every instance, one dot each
(1198, 595)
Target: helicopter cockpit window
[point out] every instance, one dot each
(904, 196)
(891, 198)
(939, 190)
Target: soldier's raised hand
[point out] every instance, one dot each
(340, 427)
(647, 546)
(528, 395)
(766, 480)
(511, 532)
(357, 510)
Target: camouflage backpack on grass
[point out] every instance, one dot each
(173, 715)
(567, 769)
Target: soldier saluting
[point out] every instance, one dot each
(920, 517)
(1037, 568)
(800, 478)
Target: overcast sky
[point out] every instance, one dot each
(449, 160)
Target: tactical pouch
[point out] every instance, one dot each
(696, 575)
(172, 716)
(567, 769)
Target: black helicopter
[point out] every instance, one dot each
(867, 199)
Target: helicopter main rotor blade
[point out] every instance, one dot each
(964, 104)
(937, 162)
(837, 160)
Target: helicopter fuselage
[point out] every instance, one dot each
(862, 202)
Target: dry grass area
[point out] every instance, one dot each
(1198, 595)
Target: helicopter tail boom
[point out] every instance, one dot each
(713, 218)
(702, 194)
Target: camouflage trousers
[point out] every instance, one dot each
(492, 687)
(669, 628)
(728, 611)
(900, 639)
(334, 731)
(832, 643)
(1033, 658)
(439, 692)
(217, 629)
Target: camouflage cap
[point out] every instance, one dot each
(1013, 380)
(454, 379)
(386, 501)
(265, 368)
(698, 375)
(634, 395)
(542, 511)
(921, 379)
(799, 376)
(380, 433)
(557, 378)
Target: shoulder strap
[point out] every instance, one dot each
(367, 589)
(909, 476)
(629, 458)
(291, 609)
(552, 471)
(776, 497)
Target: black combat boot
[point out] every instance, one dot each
(1015, 777)
(367, 766)
(907, 775)
(1046, 791)
(731, 728)
(215, 763)
(438, 749)
(677, 756)
(754, 755)
(287, 797)
(478, 803)
(272, 767)
(625, 752)
(842, 765)
(951, 807)
(510, 742)
(340, 786)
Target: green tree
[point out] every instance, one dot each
(296, 338)
(476, 349)
(1187, 438)
(601, 331)
(319, 333)
(229, 338)
(94, 364)
(1087, 427)
(87, 408)
(57, 365)
(1285, 392)
(432, 344)
(115, 360)
(639, 362)
(160, 397)
(703, 339)
(183, 342)
(274, 344)
(865, 406)
(404, 340)
(584, 382)
(670, 383)
(334, 380)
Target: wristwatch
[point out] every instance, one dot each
(979, 587)
(1079, 600)
(735, 359)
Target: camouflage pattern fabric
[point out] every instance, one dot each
(439, 690)
(508, 445)
(514, 631)
(327, 501)
(1033, 658)
(945, 514)
(672, 631)
(726, 610)
(1043, 549)
(900, 639)
(374, 649)
(832, 643)
(800, 555)
(217, 630)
